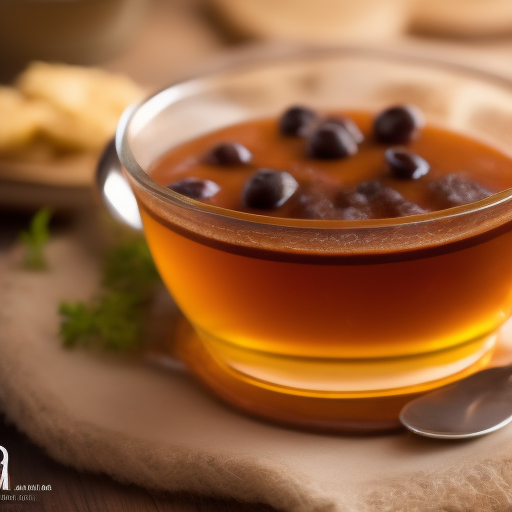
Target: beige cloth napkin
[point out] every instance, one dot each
(157, 428)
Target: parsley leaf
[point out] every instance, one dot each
(114, 319)
(35, 240)
(129, 267)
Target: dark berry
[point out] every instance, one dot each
(384, 202)
(388, 202)
(297, 121)
(315, 207)
(350, 199)
(331, 141)
(315, 202)
(399, 125)
(405, 165)
(454, 190)
(369, 188)
(195, 188)
(268, 189)
(229, 153)
(349, 125)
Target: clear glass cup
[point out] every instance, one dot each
(327, 324)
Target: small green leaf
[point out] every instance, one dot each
(129, 267)
(113, 320)
(35, 240)
(77, 323)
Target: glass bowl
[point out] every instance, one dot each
(327, 324)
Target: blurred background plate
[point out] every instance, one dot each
(29, 196)
(67, 171)
(148, 41)
(65, 183)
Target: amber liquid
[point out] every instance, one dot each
(372, 309)
(345, 311)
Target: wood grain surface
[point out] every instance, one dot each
(175, 36)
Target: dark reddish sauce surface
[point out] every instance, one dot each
(322, 179)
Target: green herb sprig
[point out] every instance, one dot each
(114, 319)
(35, 239)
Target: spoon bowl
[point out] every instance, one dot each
(471, 407)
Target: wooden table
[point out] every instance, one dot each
(154, 59)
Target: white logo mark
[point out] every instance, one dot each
(4, 475)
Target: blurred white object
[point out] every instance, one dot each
(317, 21)
(462, 17)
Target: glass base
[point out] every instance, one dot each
(350, 396)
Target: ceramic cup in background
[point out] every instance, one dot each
(70, 31)
(316, 21)
(462, 17)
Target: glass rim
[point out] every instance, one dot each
(193, 81)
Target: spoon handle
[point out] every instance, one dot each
(114, 190)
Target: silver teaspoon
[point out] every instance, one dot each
(471, 407)
(114, 190)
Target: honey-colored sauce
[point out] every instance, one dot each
(367, 310)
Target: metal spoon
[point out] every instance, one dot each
(471, 407)
(115, 192)
(474, 406)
